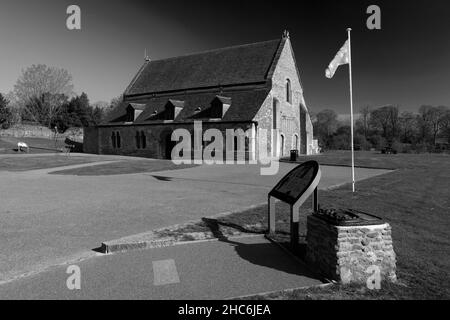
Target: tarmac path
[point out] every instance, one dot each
(48, 219)
(205, 270)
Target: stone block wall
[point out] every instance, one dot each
(90, 140)
(345, 253)
(29, 131)
(156, 137)
(288, 113)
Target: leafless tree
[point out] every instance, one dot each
(365, 117)
(40, 79)
(407, 121)
(431, 119)
(326, 121)
(385, 118)
(45, 108)
(445, 124)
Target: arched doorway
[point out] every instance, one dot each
(302, 129)
(167, 144)
(295, 142)
(275, 126)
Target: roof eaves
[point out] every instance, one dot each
(189, 90)
(275, 59)
(138, 74)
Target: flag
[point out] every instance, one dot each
(342, 57)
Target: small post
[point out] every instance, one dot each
(294, 225)
(315, 200)
(351, 106)
(271, 205)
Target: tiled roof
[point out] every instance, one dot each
(177, 103)
(138, 106)
(244, 106)
(234, 75)
(242, 64)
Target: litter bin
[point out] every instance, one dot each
(294, 155)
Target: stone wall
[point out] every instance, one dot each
(288, 113)
(345, 253)
(90, 140)
(35, 131)
(29, 131)
(156, 137)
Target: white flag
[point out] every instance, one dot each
(342, 57)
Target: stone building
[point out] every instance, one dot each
(250, 87)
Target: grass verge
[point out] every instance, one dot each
(413, 199)
(124, 167)
(16, 164)
(8, 145)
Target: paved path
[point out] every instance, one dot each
(207, 270)
(50, 219)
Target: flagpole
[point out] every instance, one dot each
(351, 106)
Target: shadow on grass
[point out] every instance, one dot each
(214, 225)
(99, 249)
(126, 167)
(162, 178)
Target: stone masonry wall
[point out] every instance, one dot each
(155, 137)
(37, 131)
(289, 111)
(90, 140)
(345, 253)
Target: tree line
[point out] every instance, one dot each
(427, 130)
(44, 95)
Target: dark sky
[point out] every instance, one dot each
(405, 63)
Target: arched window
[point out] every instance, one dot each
(143, 140)
(275, 110)
(295, 142)
(288, 91)
(118, 139)
(282, 146)
(138, 140)
(113, 139)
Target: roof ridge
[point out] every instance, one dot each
(215, 50)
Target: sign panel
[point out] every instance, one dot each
(295, 183)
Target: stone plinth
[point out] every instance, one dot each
(345, 253)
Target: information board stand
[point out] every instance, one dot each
(294, 188)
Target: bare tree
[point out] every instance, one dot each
(39, 79)
(45, 108)
(380, 119)
(393, 118)
(431, 121)
(365, 117)
(326, 122)
(407, 121)
(445, 124)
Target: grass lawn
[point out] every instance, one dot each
(124, 167)
(414, 199)
(8, 145)
(374, 159)
(41, 162)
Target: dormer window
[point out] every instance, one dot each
(220, 106)
(133, 111)
(288, 91)
(173, 109)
